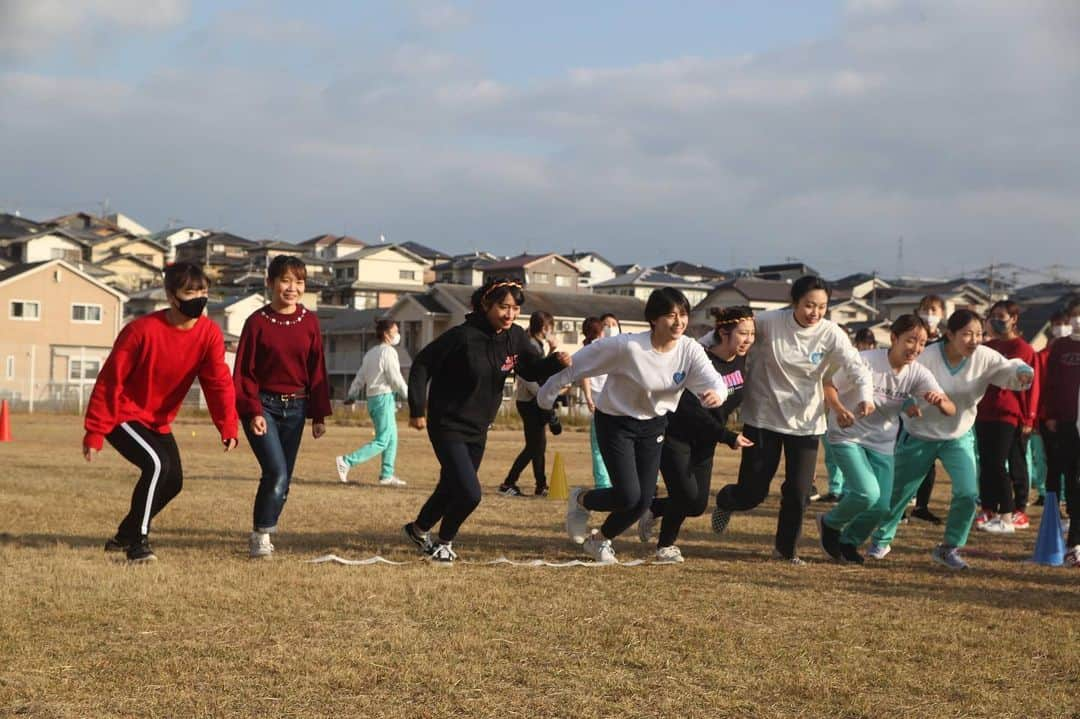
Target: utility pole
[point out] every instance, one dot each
(990, 281)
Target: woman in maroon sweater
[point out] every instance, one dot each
(1062, 436)
(138, 392)
(280, 377)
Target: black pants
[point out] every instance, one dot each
(458, 492)
(687, 470)
(534, 421)
(161, 478)
(922, 498)
(631, 451)
(1063, 458)
(756, 472)
(1003, 475)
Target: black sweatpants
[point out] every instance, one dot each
(458, 492)
(631, 451)
(534, 421)
(1003, 475)
(1063, 458)
(161, 478)
(756, 472)
(687, 471)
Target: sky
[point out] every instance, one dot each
(729, 133)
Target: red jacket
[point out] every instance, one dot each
(1005, 405)
(149, 372)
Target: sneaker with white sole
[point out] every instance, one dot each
(421, 540)
(949, 557)
(577, 518)
(792, 560)
(342, 469)
(669, 555)
(878, 551)
(1072, 557)
(645, 526)
(259, 546)
(391, 482)
(509, 490)
(599, 548)
(720, 519)
(998, 525)
(442, 554)
(139, 552)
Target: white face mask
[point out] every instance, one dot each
(931, 320)
(1060, 331)
(395, 340)
(1075, 322)
(611, 330)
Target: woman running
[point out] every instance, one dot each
(280, 377)
(139, 390)
(595, 328)
(863, 448)
(1062, 436)
(686, 460)
(784, 409)
(646, 374)
(965, 369)
(1040, 480)
(467, 368)
(380, 373)
(931, 310)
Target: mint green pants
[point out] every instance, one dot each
(868, 481)
(599, 470)
(384, 415)
(835, 473)
(914, 457)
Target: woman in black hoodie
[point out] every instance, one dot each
(467, 368)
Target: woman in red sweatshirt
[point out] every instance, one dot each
(280, 377)
(1002, 427)
(138, 392)
(1062, 436)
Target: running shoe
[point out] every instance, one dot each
(510, 490)
(998, 525)
(645, 526)
(577, 517)
(792, 560)
(422, 540)
(981, 519)
(720, 519)
(829, 539)
(949, 557)
(830, 498)
(140, 551)
(116, 544)
(442, 555)
(878, 551)
(259, 546)
(1072, 557)
(815, 495)
(926, 515)
(599, 548)
(541, 489)
(342, 469)
(669, 555)
(391, 482)
(1020, 519)
(851, 553)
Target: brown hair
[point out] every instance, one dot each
(185, 275)
(286, 263)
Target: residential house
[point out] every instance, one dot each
(693, 272)
(129, 273)
(594, 268)
(626, 269)
(785, 271)
(127, 224)
(331, 247)
(641, 284)
(464, 269)
(230, 313)
(171, 238)
(219, 253)
(1037, 303)
(375, 277)
(861, 286)
(550, 272)
(432, 256)
(847, 311)
(47, 244)
(759, 295)
(57, 325)
(12, 226)
(957, 294)
(347, 335)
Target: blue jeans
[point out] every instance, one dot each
(276, 451)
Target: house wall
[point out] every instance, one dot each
(552, 274)
(598, 270)
(51, 247)
(386, 267)
(131, 276)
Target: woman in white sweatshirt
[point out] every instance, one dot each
(646, 374)
(784, 409)
(965, 369)
(380, 372)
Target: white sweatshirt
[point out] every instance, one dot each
(380, 372)
(785, 369)
(524, 390)
(965, 385)
(641, 382)
(892, 392)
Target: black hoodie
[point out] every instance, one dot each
(467, 367)
(693, 422)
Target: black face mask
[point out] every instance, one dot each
(192, 308)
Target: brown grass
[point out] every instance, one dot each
(207, 633)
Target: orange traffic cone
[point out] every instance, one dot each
(5, 422)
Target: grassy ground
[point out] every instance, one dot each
(207, 633)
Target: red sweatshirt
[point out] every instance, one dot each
(1062, 382)
(282, 354)
(149, 372)
(1005, 405)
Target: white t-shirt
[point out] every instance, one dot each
(785, 369)
(892, 391)
(380, 372)
(641, 382)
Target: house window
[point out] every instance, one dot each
(24, 310)
(406, 274)
(9, 372)
(86, 313)
(563, 281)
(217, 248)
(76, 368)
(541, 278)
(59, 253)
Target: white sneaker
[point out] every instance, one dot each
(599, 549)
(1072, 557)
(342, 468)
(443, 555)
(948, 557)
(998, 525)
(669, 555)
(577, 519)
(645, 526)
(878, 551)
(794, 561)
(259, 545)
(391, 482)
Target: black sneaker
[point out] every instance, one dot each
(830, 498)
(815, 495)
(541, 490)
(850, 553)
(116, 544)
(510, 490)
(720, 519)
(421, 540)
(830, 539)
(926, 515)
(140, 551)
(555, 425)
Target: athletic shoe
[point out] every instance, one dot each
(116, 545)
(998, 525)
(830, 498)
(541, 489)
(140, 551)
(669, 555)
(259, 545)
(1020, 519)
(851, 553)
(645, 526)
(720, 519)
(391, 482)
(577, 518)
(442, 554)
(926, 515)
(793, 560)
(1072, 557)
(599, 549)
(949, 557)
(829, 539)
(815, 495)
(510, 490)
(878, 551)
(422, 540)
(981, 519)
(342, 469)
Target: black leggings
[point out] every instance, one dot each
(1063, 459)
(458, 492)
(158, 458)
(756, 472)
(687, 469)
(534, 421)
(631, 451)
(1003, 475)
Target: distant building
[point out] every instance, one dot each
(331, 247)
(959, 294)
(171, 238)
(375, 277)
(785, 271)
(594, 268)
(693, 272)
(464, 269)
(550, 272)
(220, 253)
(641, 283)
(757, 294)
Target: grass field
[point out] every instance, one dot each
(205, 632)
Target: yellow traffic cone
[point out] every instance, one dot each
(557, 488)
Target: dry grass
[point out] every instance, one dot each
(206, 632)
